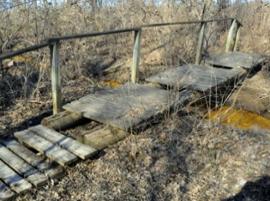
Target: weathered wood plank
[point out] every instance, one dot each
(22, 167)
(104, 137)
(129, 106)
(235, 60)
(11, 178)
(62, 120)
(5, 192)
(52, 151)
(196, 77)
(75, 147)
(39, 161)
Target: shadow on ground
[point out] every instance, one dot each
(253, 191)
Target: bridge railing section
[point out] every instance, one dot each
(54, 46)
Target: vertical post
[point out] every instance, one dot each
(232, 35)
(237, 38)
(200, 44)
(136, 56)
(200, 38)
(56, 77)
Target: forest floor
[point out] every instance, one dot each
(184, 158)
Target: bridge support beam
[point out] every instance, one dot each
(136, 56)
(200, 44)
(233, 36)
(56, 77)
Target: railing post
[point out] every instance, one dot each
(232, 36)
(200, 44)
(136, 56)
(237, 38)
(56, 77)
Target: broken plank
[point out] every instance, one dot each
(5, 192)
(39, 161)
(13, 180)
(52, 151)
(75, 147)
(22, 167)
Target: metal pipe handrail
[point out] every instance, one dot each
(94, 34)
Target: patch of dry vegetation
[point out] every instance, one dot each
(183, 158)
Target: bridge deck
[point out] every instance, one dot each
(236, 59)
(128, 107)
(201, 78)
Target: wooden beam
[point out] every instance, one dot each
(56, 78)
(232, 35)
(62, 120)
(136, 56)
(104, 137)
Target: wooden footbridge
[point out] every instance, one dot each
(35, 155)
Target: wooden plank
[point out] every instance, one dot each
(13, 180)
(5, 192)
(52, 151)
(22, 167)
(235, 59)
(104, 137)
(75, 147)
(196, 77)
(128, 107)
(40, 162)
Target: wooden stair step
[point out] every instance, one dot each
(13, 180)
(39, 161)
(75, 147)
(23, 168)
(5, 192)
(52, 151)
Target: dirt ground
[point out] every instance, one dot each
(182, 158)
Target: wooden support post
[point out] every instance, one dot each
(200, 44)
(232, 35)
(237, 39)
(56, 77)
(136, 56)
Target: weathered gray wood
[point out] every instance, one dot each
(22, 167)
(104, 137)
(52, 151)
(136, 56)
(48, 168)
(129, 106)
(56, 78)
(13, 180)
(196, 77)
(236, 60)
(62, 120)
(5, 192)
(200, 44)
(75, 147)
(230, 43)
